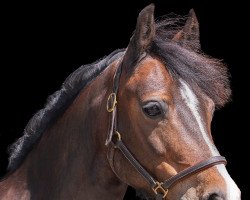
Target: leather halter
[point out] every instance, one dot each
(159, 188)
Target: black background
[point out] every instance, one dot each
(42, 43)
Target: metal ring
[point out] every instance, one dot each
(111, 102)
(119, 137)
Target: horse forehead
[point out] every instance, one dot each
(150, 75)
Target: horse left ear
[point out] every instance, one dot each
(189, 36)
(145, 28)
(142, 37)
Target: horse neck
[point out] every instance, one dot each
(70, 159)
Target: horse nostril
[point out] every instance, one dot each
(214, 196)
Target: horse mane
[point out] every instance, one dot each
(193, 66)
(190, 64)
(56, 104)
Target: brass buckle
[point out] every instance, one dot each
(111, 102)
(157, 188)
(119, 138)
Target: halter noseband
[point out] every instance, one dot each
(159, 188)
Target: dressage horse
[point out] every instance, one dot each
(140, 117)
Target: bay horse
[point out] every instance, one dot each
(140, 117)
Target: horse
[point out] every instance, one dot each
(140, 117)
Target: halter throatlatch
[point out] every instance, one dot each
(159, 188)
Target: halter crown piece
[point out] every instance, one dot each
(159, 188)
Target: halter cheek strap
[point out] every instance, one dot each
(159, 188)
(111, 105)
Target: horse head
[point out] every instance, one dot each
(167, 94)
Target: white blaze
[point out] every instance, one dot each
(233, 192)
(193, 104)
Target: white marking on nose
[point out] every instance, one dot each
(233, 192)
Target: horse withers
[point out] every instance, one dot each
(140, 117)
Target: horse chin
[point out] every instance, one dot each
(143, 194)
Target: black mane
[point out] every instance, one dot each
(55, 106)
(190, 65)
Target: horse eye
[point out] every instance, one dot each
(152, 109)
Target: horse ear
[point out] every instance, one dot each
(142, 37)
(189, 36)
(145, 28)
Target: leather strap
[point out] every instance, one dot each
(111, 104)
(160, 188)
(194, 169)
(120, 145)
(117, 78)
(164, 186)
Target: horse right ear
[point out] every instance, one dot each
(189, 36)
(141, 39)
